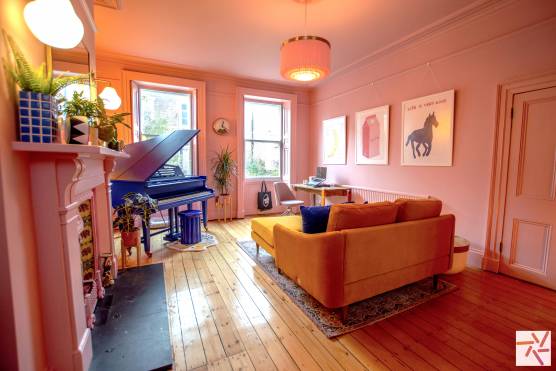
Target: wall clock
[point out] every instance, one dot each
(221, 126)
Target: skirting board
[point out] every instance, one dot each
(475, 258)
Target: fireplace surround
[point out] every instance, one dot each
(65, 177)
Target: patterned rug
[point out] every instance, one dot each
(207, 240)
(361, 314)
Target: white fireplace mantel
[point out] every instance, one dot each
(62, 177)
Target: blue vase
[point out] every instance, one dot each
(37, 117)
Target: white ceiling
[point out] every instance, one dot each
(243, 37)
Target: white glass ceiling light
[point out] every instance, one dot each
(112, 100)
(54, 23)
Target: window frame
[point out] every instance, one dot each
(137, 86)
(263, 100)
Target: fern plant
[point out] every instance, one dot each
(80, 106)
(39, 80)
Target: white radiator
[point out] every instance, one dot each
(362, 194)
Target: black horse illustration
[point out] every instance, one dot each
(423, 136)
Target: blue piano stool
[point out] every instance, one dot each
(190, 223)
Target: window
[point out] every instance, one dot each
(266, 149)
(161, 110)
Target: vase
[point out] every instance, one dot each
(78, 129)
(93, 136)
(37, 117)
(130, 238)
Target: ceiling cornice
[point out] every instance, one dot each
(477, 9)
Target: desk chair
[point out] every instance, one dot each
(285, 196)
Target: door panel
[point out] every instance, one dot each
(529, 247)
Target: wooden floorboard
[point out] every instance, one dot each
(226, 313)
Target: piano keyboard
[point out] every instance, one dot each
(171, 200)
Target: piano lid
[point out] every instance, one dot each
(146, 157)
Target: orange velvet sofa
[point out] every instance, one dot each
(343, 266)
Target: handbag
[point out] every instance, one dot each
(264, 198)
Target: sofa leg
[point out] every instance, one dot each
(435, 282)
(280, 271)
(257, 249)
(344, 313)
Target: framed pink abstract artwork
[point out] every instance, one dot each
(334, 141)
(371, 136)
(428, 130)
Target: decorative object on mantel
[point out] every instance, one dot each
(221, 126)
(371, 136)
(62, 177)
(100, 126)
(134, 205)
(428, 130)
(224, 167)
(108, 126)
(80, 113)
(305, 58)
(38, 108)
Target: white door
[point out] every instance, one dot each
(529, 240)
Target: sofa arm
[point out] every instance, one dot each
(314, 261)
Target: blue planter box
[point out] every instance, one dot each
(37, 117)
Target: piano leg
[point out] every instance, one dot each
(171, 220)
(204, 207)
(146, 239)
(176, 222)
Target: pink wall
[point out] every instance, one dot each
(471, 56)
(19, 296)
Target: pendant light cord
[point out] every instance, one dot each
(305, 27)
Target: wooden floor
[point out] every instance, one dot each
(226, 314)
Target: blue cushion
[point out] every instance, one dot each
(315, 218)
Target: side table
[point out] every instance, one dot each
(224, 207)
(459, 261)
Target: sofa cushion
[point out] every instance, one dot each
(315, 218)
(417, 209)
(350, 216)
(264, 226)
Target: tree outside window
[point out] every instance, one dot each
(264, 136)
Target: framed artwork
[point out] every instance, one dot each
(428, 130)
(334, 141)
(371, 136)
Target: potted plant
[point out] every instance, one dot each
(134, 205)
(80, 114)
(38, 106)
(224, 167)
(108, 130)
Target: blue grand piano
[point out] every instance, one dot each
(146, 171)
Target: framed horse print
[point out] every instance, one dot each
(371, 136)
(334, 141)
(428, 130)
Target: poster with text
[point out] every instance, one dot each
(428, 130)
(371, 136)
(334, 141)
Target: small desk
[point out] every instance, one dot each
(323, 192)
